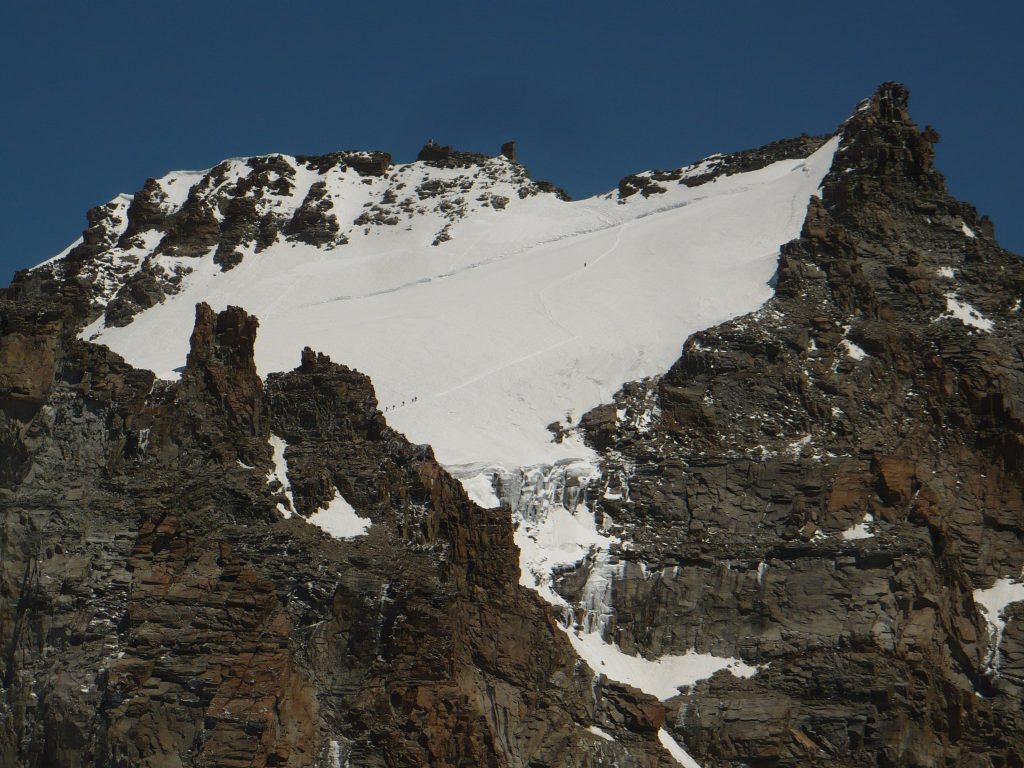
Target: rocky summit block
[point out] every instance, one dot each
(828, 487)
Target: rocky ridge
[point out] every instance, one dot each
(825, 487)
(715, 166)
(138, 248)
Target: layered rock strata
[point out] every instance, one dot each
(827, 486)
(158, 609)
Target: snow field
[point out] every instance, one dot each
(528, 314)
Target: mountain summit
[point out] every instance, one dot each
(456, 282)
(719, 468)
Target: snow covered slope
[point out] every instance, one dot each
(534, 311)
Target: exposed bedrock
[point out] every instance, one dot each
(159, 610)
(823, 486)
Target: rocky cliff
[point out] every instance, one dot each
(138, 248)
(828, 489)
(158, 609)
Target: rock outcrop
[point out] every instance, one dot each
(820, 487)
(138, 249)
(157, 609)
(710, 168)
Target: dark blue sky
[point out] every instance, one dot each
(98, 96)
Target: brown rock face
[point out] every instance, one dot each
(158, 610)
(855, 391)
(228, 681)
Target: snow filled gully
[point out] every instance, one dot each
(552, 508)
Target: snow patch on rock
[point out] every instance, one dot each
(340, 519)
(966, 314)
(279, 473)
(556, 528)
(679, 754)
(661, 677)
(860, 530)
(853, 351)
(992, 602)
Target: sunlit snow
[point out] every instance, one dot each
(480, 488)
(860, 530)
(853, 351)
(340, 520)
(279, 473)
(993, 601)
(548, 307)
(966, 314)
(661, 677)
(679, 754)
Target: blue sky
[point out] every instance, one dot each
(98, 96)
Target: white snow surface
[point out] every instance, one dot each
(339, 519)
(679, 754)
(853, 351)
(550, 533)
(280, 474)
(966, 314)
(526, 315)
(600, 733)
(480, 488)
(860, 530)
(660, 677)
(993, 601)
(334, 753)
